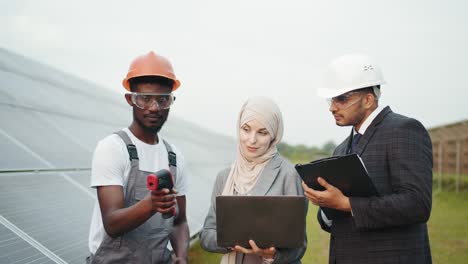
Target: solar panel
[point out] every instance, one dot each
(50, 124)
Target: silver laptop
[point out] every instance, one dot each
(271, 221)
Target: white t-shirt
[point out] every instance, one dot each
(111, 166)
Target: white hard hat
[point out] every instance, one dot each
(350, 72)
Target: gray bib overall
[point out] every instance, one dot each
(148, 242)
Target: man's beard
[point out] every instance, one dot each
(152, 130)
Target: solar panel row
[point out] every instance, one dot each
(52, 120)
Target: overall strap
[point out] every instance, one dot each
(172, 159)
(132, 151)
(135, 164)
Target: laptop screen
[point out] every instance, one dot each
(271, 221)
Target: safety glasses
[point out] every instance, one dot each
(146, 100)
(344, 101)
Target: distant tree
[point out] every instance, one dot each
(301, 153)
(329, 147)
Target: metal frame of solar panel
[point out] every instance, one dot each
(50, 124)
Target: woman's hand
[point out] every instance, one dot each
(267, 253)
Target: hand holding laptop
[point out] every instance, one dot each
(268, 221)
(267, 253)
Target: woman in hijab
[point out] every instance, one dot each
(258, 170)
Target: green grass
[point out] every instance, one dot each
(448, 233)
(448, 227)
(199, 256)
(448, 182)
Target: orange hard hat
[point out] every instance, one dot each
(150, 65)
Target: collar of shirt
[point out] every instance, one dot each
(368, 120)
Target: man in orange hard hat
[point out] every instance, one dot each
(131, 224)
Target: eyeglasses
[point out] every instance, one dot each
(146, 100)
(343, 101)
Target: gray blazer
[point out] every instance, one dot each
(390, 228)
(279, 177)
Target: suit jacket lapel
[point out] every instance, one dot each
(347, 147)
(268, 176)
(361, 146)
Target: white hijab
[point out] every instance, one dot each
(245, 173)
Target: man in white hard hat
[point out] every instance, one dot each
(397, 152)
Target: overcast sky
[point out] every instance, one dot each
(226, 51)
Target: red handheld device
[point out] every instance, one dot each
(160, 180)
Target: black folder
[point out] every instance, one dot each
(347, 173)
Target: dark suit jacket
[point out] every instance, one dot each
(391, 228)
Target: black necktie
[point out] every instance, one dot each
(355, 141)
